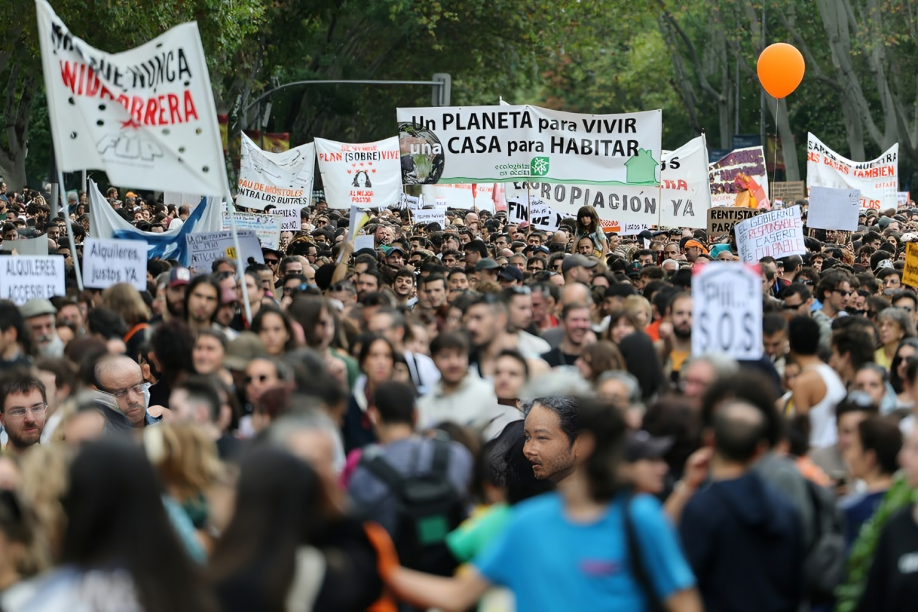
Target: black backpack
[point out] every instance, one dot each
(429, 507)
(824, 565)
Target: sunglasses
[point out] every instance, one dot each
(272, 262)
(844, 293)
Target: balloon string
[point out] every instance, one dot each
(774, 170)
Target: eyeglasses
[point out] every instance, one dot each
(300, 287)
(122, 393)
(36, 410)
(794, 307)
(260, 378)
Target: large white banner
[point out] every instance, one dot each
(366, 175)
(481, 144)
(146, 116)
(682, 200)
(277, 179)
(740, 179)
(877, 179)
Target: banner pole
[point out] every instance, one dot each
(73, 252)
(240, 268)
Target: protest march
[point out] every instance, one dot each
(499, 357)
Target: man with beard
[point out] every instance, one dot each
(23, 406)
(39, 317)
(433, 297)
(122, 378)
(202, 301)
(229, 302)
(403, 287)
(487, 322)
(575, 321)
(175, 289)
(680, 318)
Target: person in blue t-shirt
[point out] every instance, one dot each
(568, 550)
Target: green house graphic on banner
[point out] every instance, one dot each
(642, 168)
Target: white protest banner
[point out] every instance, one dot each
(366, 175)
(109, 262)
(682, 200)
(146, 116)
(277, 179)
(266, 227)
(26, 246)
(487, 144)
(26, 277)
(877, 180)
(727, 310)
(205, 247)
(517, 209)
(777, 234)
(467, 196)
(740, 179)
(429, 215)
(291, 217)
(833, 209)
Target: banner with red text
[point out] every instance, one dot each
(145, 116)
(275, 179)
(366, 175)
(877, 179)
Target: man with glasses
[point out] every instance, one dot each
(833, 291)
(121, 377)
(23, 407)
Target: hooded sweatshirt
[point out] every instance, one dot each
(742, 538)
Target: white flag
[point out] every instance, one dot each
(145, 116)
(366, 175)
(278, 179)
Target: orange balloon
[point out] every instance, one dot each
(780, 69)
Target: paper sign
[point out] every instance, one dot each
(902, 197)
(833, 209)
(266, 227)
(628, 229)
(517, 210)
(740, 179)
(722, 219)
(27, 246)
(291, 217)
(429, 215)
(205, 247)
(727, 310)
(910, 271)
(542, 217)
(27, 277)
(778, 233)
(109, 262)
(788, 191)
(363, 242)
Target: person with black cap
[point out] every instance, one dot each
(487, 270)
(644, 463)
(576, 269)
(510, 276)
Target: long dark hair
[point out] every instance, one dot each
(173, 343)
(587, 211)
(894, 379)
(116, 515)
(642, 362)
(280, 506)
(607, 426)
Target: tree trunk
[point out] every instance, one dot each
(14, 171)
(788, 148)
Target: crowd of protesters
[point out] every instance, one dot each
(477, 414)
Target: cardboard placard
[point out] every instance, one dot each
(910, 271)
(722, 219)
(266, 227)
(205, 247)
(777, 234)
(788, 191)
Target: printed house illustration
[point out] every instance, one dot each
(642, 168)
